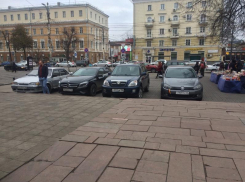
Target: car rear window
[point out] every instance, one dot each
(180, 73)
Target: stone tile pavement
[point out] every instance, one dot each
(148, 141)
(31, 123)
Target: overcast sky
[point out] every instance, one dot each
(120, 12)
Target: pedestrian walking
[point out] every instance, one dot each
(14, 67)
(197, 67)
(239, 66)
(43, 74)
(222, 66)
(159, 69)
(202, 67)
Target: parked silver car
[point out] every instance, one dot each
(214, 67)
(65, 64)
(102, 63)
(30, 82)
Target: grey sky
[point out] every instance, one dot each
(120, 12)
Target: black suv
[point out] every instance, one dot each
(87, 80)
(129, 80)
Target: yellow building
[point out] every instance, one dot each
(172, 30)
(91, 26)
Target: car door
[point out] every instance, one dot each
(100, 78)
(55, 78)
(144, 78)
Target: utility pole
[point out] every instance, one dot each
(49, 31)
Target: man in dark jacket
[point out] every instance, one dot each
(239, 66)
(43, 74)
(14, 67)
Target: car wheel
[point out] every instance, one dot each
(106, 95)
(200, 99)
(93, 90)
(153, 70)
(147, 88)
(140, 93)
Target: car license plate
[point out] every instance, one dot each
(182, 93)
(117, 90)
(67, 90)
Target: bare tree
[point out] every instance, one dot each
(68, 41)
(7, 40)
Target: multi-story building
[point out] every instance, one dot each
(172, 30)
(91, 25)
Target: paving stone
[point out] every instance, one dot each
(142, 118)
(196, 126)
(222, 173)
(164, 141)
(91, 139)
(123, 162)
(231, 136)
(168, 147)
(220, 180)
(152, 167)
(3, 174)
(158, 156)
(193, 143)
(26, 145)
(106, 115)
(179, 168)
(172, 124)
(11, 143)
(131, 153)
(215, 146)
(236, 148)
(53, 174)
(240, 164)
(103, 120)
(242, 136)
(134, 128)
(55, 152)
(179, 137)
(9, 165)
(214, 134)
(199, 133)
(166, 113)
(187, 149)
(223, 141)
(94, 165)
(222, 153)
(84, 133)
(132, 122)
(219, 162)
(118, 121)
(24, 174)
(81, 150)
(175, 131)
(110, 135)
(151, 145)
(103, 125)
(228, 129)
(74, 138)
(197, 168)
(131, 143)
(114, 174)
(107, 141)
(13, 153)
(146, 123)
(148, 177)
(98, 130)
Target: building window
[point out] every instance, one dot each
(1, 45)
(175, 31)
(72, 13)
(162, 6)
(40, 15)
(81, 30)
(34, 31)
(201, 42)
(204, 4)
(187, 56)
(162, 31)
(176, 5)
(96, 45)
(5, 17)
(35, 44)
(189, 5)
(56, 31)
(91, 14)
(161, 43)
(203, 18)
(41, 31)
(64, 30)
(64, 14)
(149, 33)
(188, 30)
(173, 56)
(149, 20)
(202, 29)
(189, 17)
(12, 17)
(95, 16)
(92, 44)
(33, 16)
(55, 14)
(42, 44)
(26, 16)
(148, 43)
(174, 42)
(81, 44)
(188, 42)
(175, 18)
(149, 8)
(161, 19)
(57, 42)
(80, 13)
(91, 30)
(18, 16)
(102, 21)
(99, 18)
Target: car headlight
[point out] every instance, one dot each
(14, 83)
(59, 84)
(133, 83)
(83, 84)
(166, 86)
(198, 86)
(34, 83)
(106, 83)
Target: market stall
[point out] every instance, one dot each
(215, 76)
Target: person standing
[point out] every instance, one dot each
(239, 66)
(197, 67)
(14, 67)
(222, 66)
(43, 74)
(159, 69)
(202, 67)
(233, 66)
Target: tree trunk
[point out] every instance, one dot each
(67, 57)
(24, 53)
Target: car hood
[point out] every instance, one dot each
(175, 82)
(76, 79)
(27, 79)
(128, 78)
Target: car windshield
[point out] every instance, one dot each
(85, 72)
(35, 73)
(180, 73)
(126, 71)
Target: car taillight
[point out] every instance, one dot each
(109, 63)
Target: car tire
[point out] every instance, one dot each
(106, 95)
(140, 93)
(200, 99)
(153, 70)
(93, 90)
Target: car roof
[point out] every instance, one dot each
(179, 66)
(129, 65)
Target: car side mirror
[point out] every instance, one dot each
(143, 74)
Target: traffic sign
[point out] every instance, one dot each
(86, 50)
(123, 50)
(12, 53)
(148, 51)
(75, 54)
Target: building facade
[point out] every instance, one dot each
(90, 23)
(172, 30)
